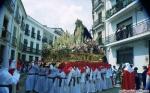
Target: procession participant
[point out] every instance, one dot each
(7, 80)
(87, 81)
(91, 81)
(72, 81)
(31, 77)
(98, 80)
(68, 73)
(62, 78)
(40, 84)
(82, 80)
(56, 80)
(109, 77)
(12, 66)
(77, 81)
(103, 73)
(128, 80)
(50, 81)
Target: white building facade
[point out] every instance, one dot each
(98, 14)
(32, 40)
(127, 33)
(7, 22)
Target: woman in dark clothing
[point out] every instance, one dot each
(144, 76)
(137, 79)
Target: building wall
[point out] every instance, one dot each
(140, 52)
(38, 27)
(5, 12)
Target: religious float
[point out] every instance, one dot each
(74, 50)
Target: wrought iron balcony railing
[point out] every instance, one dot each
(129, 31)
(119, 5)
(31, 50)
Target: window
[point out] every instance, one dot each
(27, 31)
(25, 44)
(5, 25)
(14, 32)
(38, 35)
(30, 58)
(36, 58)
(37, 46)
(24, 57)
(100, 17)
(12, 54)
(125, 55)
(1, 52)
(33, 32)
(31, 45)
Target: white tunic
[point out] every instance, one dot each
(77, 82)
(87, 83)
(98, 81)
(82, 82)
(108, 78)
(7, 79)
(103, 72)
(40, 85)
(31, 78)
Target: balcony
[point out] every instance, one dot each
(31, 50)
(116, 8)
(5, 36)
(10, 5)
(97, 24)
(14, 41)
(38, 52)
(98, 4)
(39, 37)
(132, 32)
(26, 48)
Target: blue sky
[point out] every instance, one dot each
(60, 13)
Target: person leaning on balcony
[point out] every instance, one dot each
(117, 33)
(124, 32)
